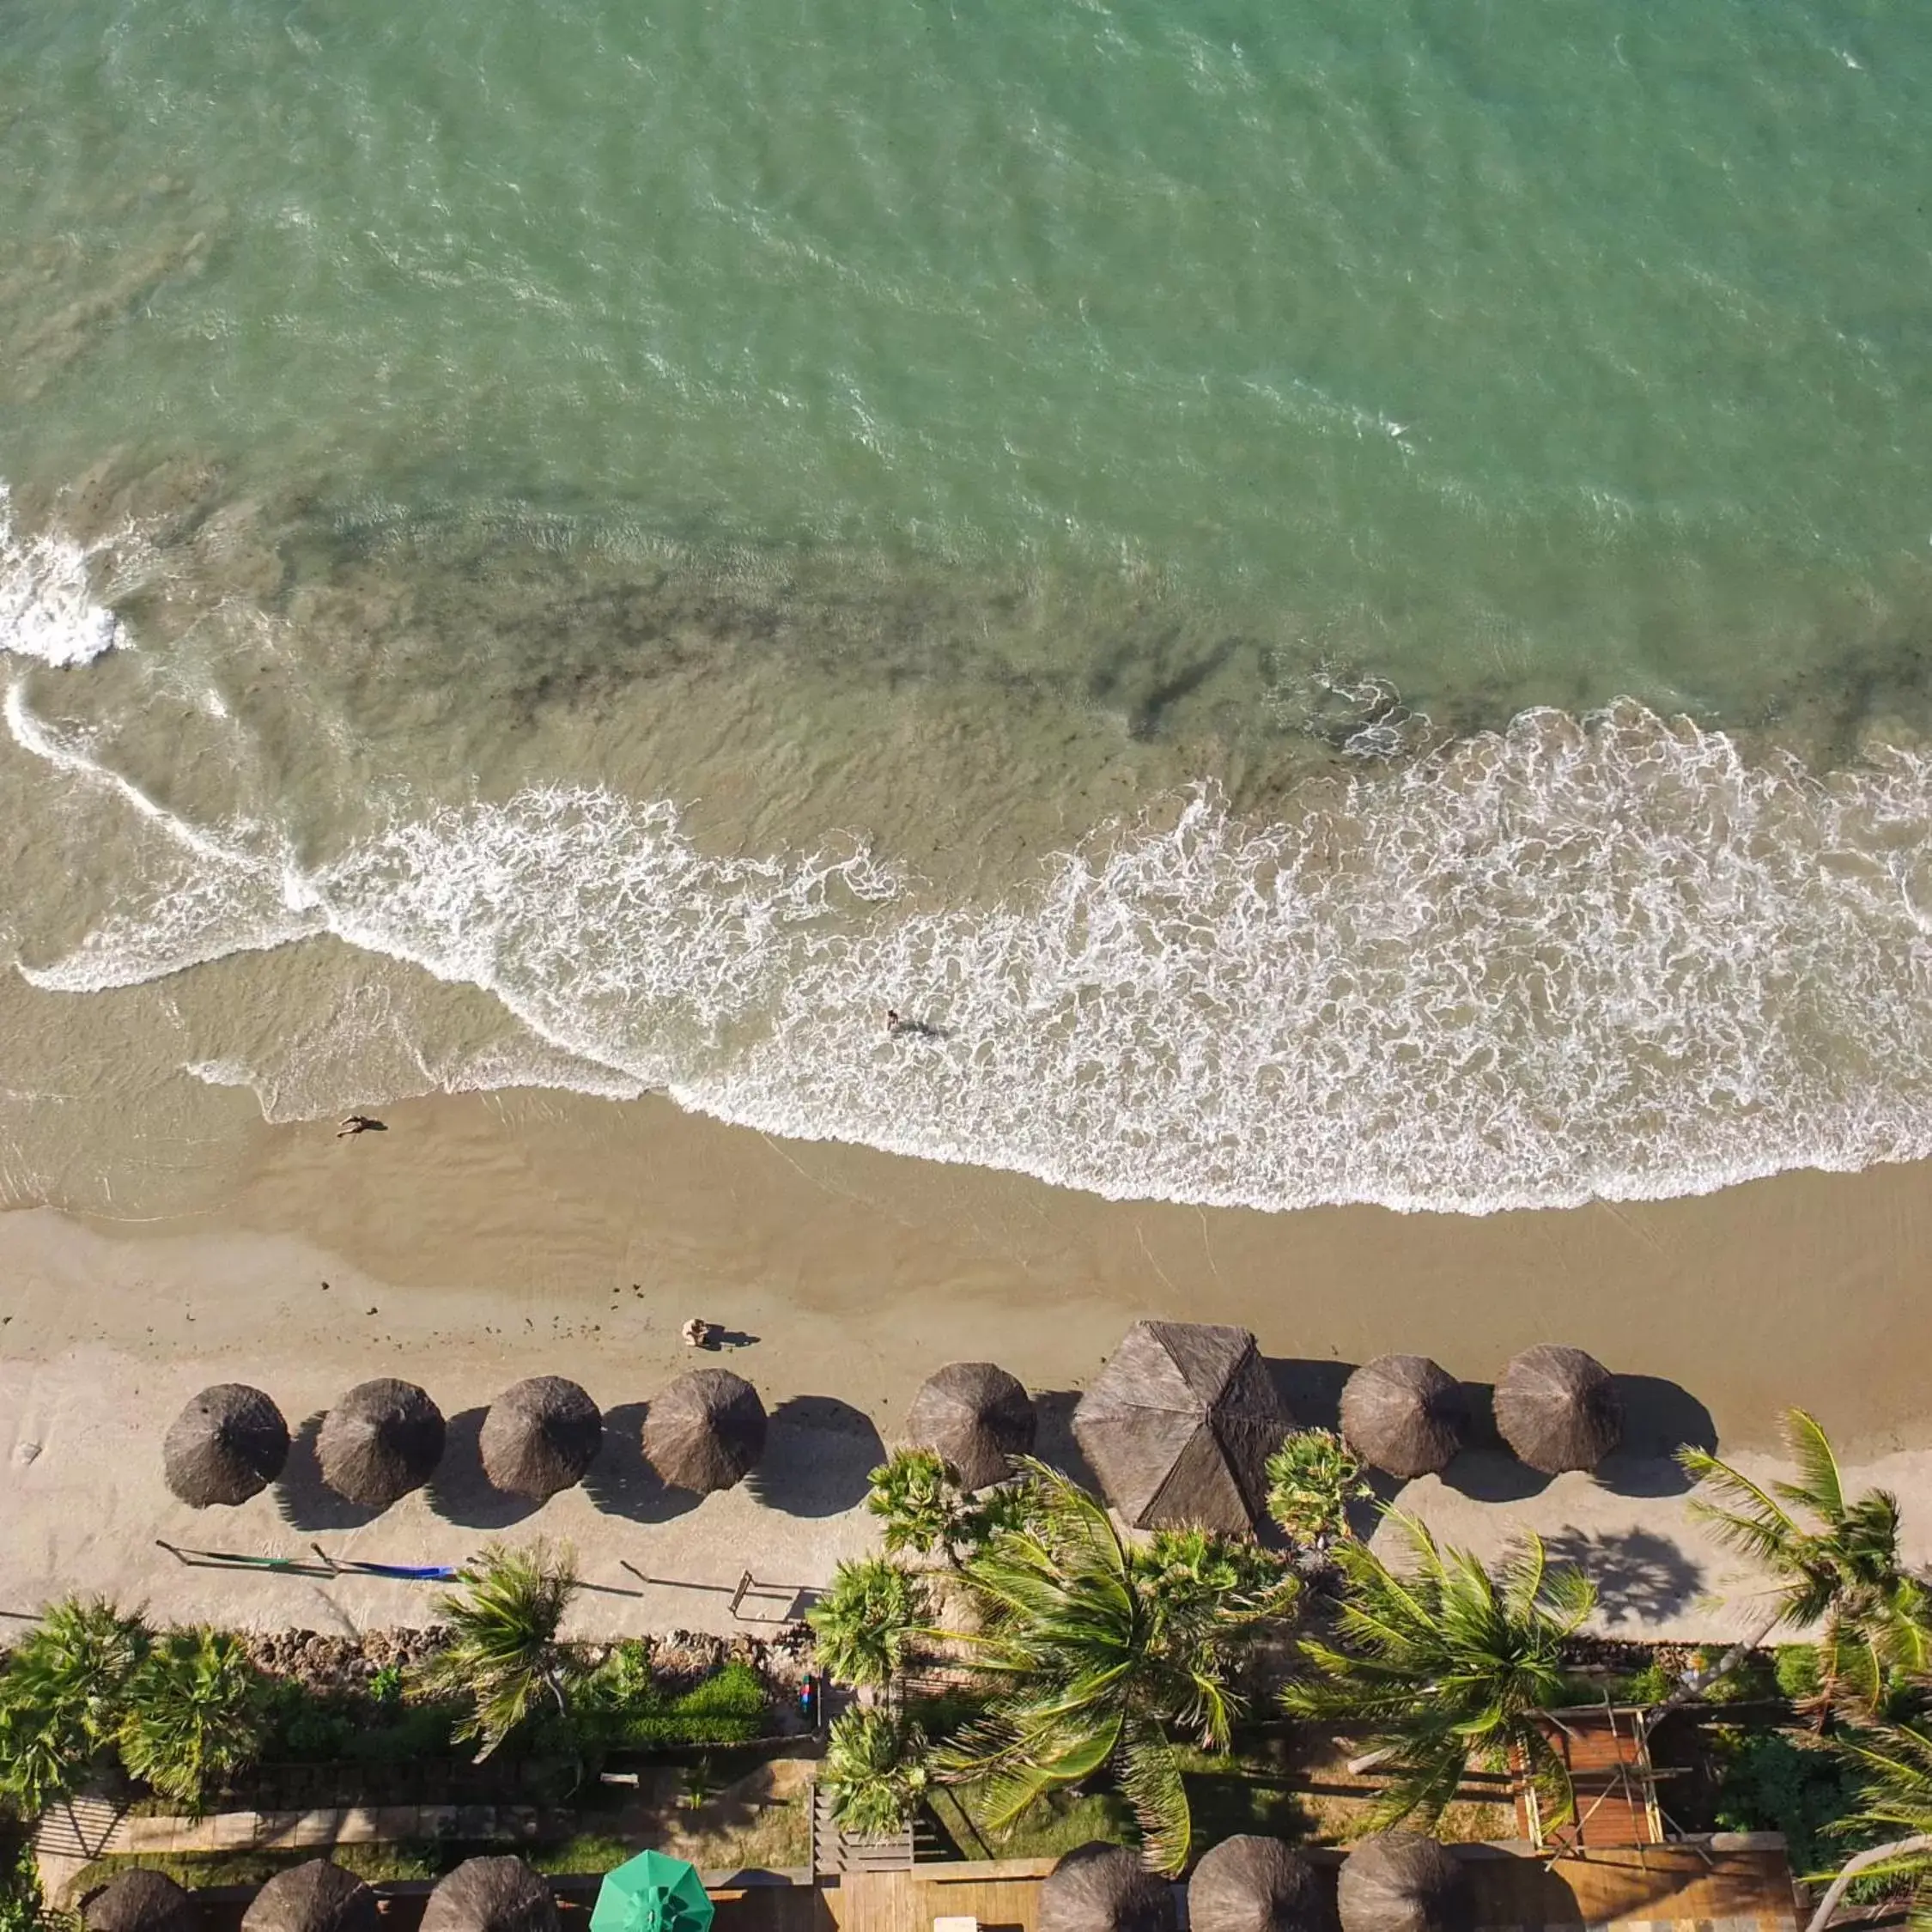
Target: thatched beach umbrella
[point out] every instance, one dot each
(705, 1431)
(1105, 1888)
(1179, 1426)
(1250, 1884)
(140, 1901)
(380, 1441)
(1403, 1414)
(230, 1443)
(1400, 1882)
(318, 1897)
(490, 1895)
(1558, 1409)
(975, 1419)
(540, 1435)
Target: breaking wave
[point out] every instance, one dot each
(1610, 957)
(46, 608)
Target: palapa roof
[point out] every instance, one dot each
(490, 1895)
(1402, 1882)
(1105, 1888)
(1250, 1884)
(380, 1441)
(318, 1897)
(1179, 1426)
(540, 1435)
(1558, 1409)
(705, 1431)
(1403, 1414)
(230, 1443)
(139, 1901)
(975, 1418)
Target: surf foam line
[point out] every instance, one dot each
(1607, 958)
(47, 610)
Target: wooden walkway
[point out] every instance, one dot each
(1605, 1751)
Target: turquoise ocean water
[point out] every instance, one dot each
(600, 543)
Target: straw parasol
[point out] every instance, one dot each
(975, 1419)
(490, 1895)
(318, 1897)
(230, 1443)
(1105, 1888)
(380, 1441)
(140, 1901)
(1403, 1414)
(705, 1431)
(1179, 1426)
(539, 1436)
(1400, 1882)
(1558, 1409)
(1250, 1884)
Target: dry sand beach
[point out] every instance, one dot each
(482, 1238)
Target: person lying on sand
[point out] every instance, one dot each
(358, 1123)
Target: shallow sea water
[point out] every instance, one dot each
(1335, 599)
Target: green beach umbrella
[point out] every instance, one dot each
(653, 1893)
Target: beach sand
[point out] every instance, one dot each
(482, 1238)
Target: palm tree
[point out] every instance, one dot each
(195, 1714)
(922, 1507)
(504, 1657)
(1840, 1572)
(1312, 1478)
(867, 1621)
(62, 1697)
(1897, 1760)
(1447, 1665)
(875, 1771)
(1103, 1655)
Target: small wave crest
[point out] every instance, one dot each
(1609, 959)
(46, 608)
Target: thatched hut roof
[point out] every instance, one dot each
(1403, 1414)
(540, 1435)
(1105, 1888)
(705, 1431)
(1401, 1882)
(975, 1418)
(139, 1901)
(1249, 1884)
(380, 1441)
(318, 1897)
(230, 1443)
(490, 1895)
(1558, 1409)
(1179, 1426)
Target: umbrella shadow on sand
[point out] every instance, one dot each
(819, 1457)
(301, 1497)
(621, 1483)
(461, 1492)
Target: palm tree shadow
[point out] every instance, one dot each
(819, 1457)
(303, 1499)
(461, 1492)
(1639, 1576)
(621, 1483)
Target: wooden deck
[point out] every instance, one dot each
(1607, 1756)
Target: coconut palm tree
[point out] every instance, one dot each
(1312, 1478)
(866, 1623)
(1897, 1800)
(875, 1771)
(194, 1716)
(1101, 1655)
(62, 1697)
(1447, 1665)
(504, 1657)
(1834, 1563)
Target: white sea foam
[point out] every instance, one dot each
(1610, 959)
(46, 608)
